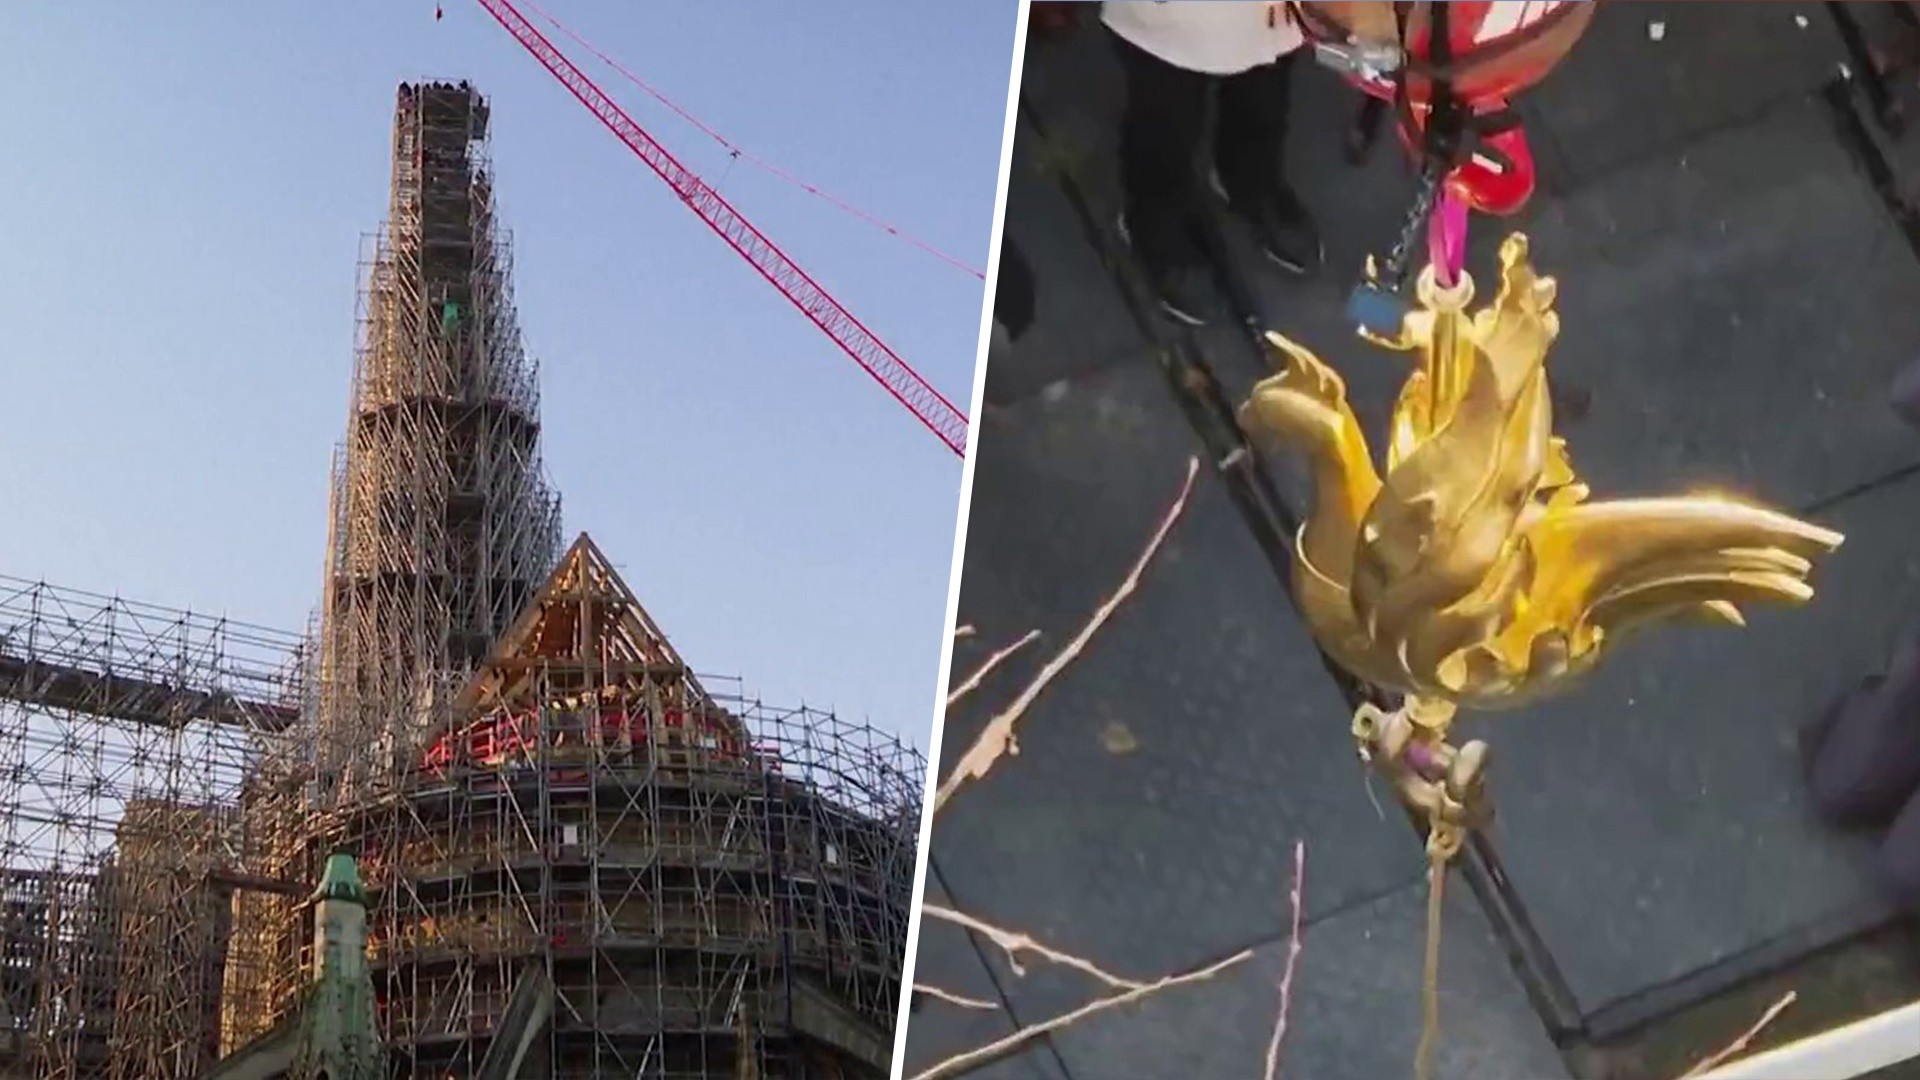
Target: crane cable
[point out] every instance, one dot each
(739, 153)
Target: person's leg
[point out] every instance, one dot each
(1014, 308)
(1160, 131)
(1251, 135)
(1899, 856)
(1014, 302)
(1365, 129)
(1812, 736)
(1248, 153)
(1866, 764)
(1906, 393)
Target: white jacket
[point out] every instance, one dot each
(1216, 37)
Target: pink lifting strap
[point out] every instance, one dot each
(1447, 238)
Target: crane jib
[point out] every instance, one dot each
(927, 404)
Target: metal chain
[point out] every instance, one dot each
(1426, 197)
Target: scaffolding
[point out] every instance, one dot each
(442, 521)
(711, 887)
(542, 796)
(715, 887)
(126, 734)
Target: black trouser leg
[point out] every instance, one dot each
(1900, 856)
(1250, 141)
(1365, 128)
(1906, 393)
(1013, 298)
(1866, 764)
(1160, 132)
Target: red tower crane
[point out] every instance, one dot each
(887, 368)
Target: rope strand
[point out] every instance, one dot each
(1430, 980)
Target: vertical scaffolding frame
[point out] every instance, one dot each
(126, 733)
(533, 781)
(443, 522)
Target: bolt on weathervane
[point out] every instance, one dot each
(1475, 572)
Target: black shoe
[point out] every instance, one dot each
(1281, 226)
(1181, 286)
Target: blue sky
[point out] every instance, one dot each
(183, 189)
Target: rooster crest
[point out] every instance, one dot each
(1474, 571)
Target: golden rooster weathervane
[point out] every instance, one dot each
(1475, 571)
